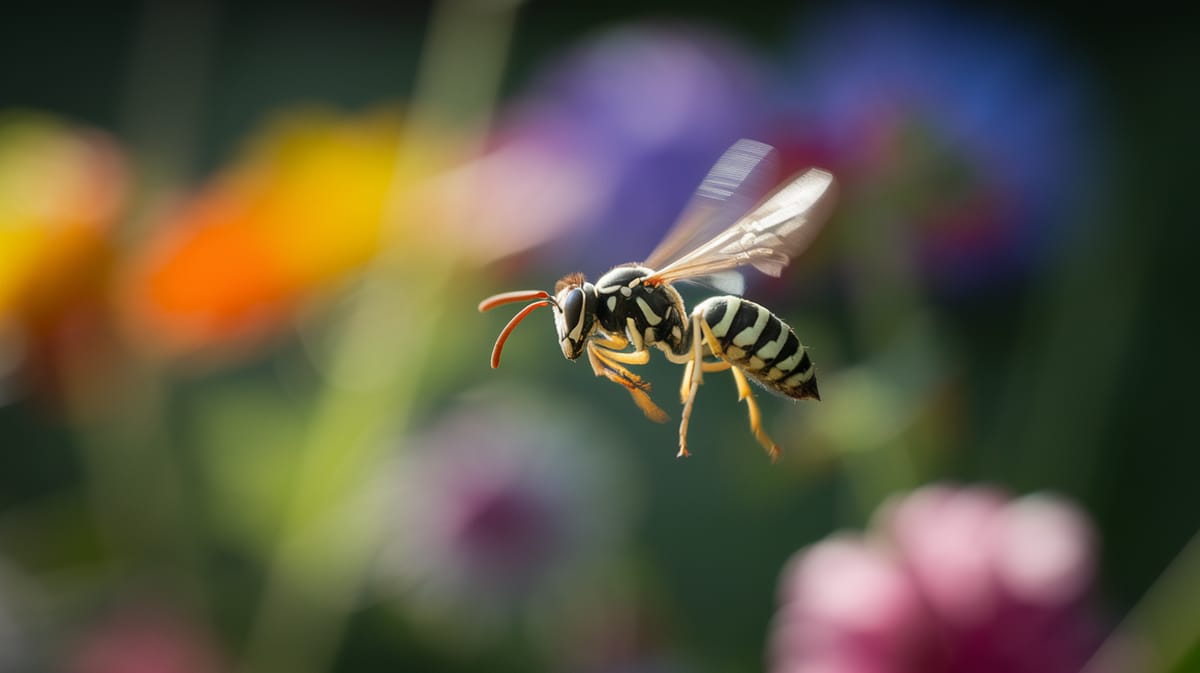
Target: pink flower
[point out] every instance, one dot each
(146, 639)
(948, 580)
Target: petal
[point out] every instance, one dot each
(1044, 550)
(943, 536)
(846, 599)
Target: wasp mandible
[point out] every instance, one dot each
(632, 307)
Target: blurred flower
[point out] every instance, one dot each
(497, 505)
(62, 188)
(304, 206)
(969, 130)
(639, 115)
(950, 580)
(144, 639)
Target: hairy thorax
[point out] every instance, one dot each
(646, 315)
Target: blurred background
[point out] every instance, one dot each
(247, 421)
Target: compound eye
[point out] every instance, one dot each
(572, 308)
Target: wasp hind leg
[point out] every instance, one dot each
(745, 393)
(608, 363)
(707, 368)
(692, 375)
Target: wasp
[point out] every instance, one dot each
(634, 307)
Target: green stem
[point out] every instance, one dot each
(889, 316)
(136, 489)
(329, 533)
(134, 483)
(1160, 631)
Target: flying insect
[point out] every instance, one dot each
(634, 307)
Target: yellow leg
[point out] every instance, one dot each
(693, 375)
(604, 364)
(744, 393)
(634, 358)
(707, 367)
(714, 345)
(691, 383)
(612, 342)
(685, 386)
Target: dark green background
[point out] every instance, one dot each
(1130, 455)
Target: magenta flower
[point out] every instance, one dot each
(948, 580)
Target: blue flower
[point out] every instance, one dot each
(970, 131)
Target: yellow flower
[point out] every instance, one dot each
(61, 188)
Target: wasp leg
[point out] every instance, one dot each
(745, 393)
(693, 375)
(685, 386)
(605, 364)
(703, 331)
(631, 358)
(612, 342)
(708, 367)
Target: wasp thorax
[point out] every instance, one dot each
(576, 314)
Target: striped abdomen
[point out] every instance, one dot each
(761, 345)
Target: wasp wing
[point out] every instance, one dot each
(766, 238)
(725, 282)
(732, 186)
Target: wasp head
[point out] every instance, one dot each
(574, 304)
(575, 318)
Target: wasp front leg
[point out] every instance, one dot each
(607, 363)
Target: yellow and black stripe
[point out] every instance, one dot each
(756, 341)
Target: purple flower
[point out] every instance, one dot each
(643, 112)
(949, 580)
(498, 503)
(969, 131)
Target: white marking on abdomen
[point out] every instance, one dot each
(769, 351)
(798, 378)
(748, 336)
(786, 365)
(732, 304)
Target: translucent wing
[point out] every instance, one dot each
(725, 282)
(732, 186)
(766, 238)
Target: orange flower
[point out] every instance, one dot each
(303, 207)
